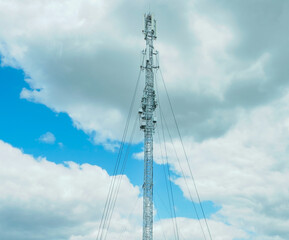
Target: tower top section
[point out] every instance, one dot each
(150, 26)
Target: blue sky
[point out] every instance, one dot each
(67, 75)
(24, 122)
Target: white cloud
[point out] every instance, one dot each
(47, 138)
(190, 229)
(246, 172)
(43, 200)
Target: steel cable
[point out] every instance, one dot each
(112, 183)
(172, 202)
(186, 157)
(182, 171)
(167, 187)
(194, 206)
(120, 176)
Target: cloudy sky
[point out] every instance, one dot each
(67, 76)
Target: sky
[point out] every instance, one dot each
(67, 76)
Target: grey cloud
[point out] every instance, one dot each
(19, 223)
(96, 60)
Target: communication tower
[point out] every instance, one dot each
(147, 123)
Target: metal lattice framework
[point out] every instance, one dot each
(147, 124)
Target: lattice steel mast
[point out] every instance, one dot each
(147, 124)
